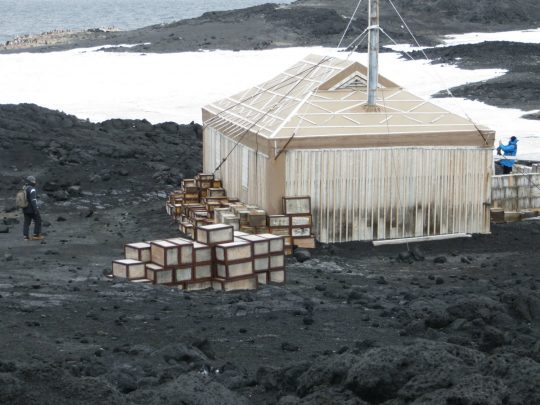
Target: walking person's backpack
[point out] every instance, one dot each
(21, 199)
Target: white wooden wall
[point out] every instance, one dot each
(516, 192)
(385, 193)
(243, 164)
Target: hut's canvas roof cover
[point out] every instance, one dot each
(327, 97)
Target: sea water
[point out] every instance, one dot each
(20, 17)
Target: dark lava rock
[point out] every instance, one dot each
(406, 257)
(289, 347)
(74, 190)
(10, 221)
(440, 259)
(382, 280)
(8, 257)
(302, 255)
(4, 229)
(417, 254)
(61, 219)
(60, 195)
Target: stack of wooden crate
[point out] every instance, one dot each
(218, 259)
(203, 201)
(296, 224)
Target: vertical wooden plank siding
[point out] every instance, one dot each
(381, 193)
(216, 147)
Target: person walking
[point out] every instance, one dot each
(31, 211)
(508, 150)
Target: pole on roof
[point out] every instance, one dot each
(373, 52)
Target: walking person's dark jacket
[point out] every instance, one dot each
(31, 196)
(31, 211)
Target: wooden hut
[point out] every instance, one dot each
(401, 168)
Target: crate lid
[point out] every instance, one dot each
(139, 245)
(162, 243)
(127, 261)
(180, 241)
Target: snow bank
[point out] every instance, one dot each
(172, 87)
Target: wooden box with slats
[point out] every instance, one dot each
(297, 205)
(277, 243)
(128, 268)
(185, 250)
(164, 253)
(158, 275)
(214, 234)
(239, 284)
(138, 251)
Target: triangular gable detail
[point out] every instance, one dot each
(352, 83)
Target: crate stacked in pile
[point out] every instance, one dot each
(268, 256)
(243, 217)
(216, 259)
(296, 224)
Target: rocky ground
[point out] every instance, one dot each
(453, 322)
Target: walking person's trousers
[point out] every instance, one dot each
(28, 218)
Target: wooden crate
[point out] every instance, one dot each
(277, 261)
(204, 185)
(280, 231)
(257, 218)
(244, 283)
(497, 215)
(288, 250)
(247, 229)
(301, 220)
(216, 183)
(260, 245)
(233, 251)
(234, 270)
(185, 250)
(216, 192)
(277, 243)
(164, 253)
(184, 273)
(188, 183)
(262, 229)
(211, 206)
(305, 242)
(231, 219)
(244, 216)
(128, 268)
(300, 231)
(202, 253)
(278, 221)
(158, 275)
(198, 285)
(276, 276)
(219, 212)
(205, 177)
(202, 271)
(297, 205)
(138, 251)
(261, 264)
(236, 207)
(188, 228)
(214, 234)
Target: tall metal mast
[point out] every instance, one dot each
(373, 52)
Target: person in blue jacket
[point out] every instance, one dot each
(508, 150)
